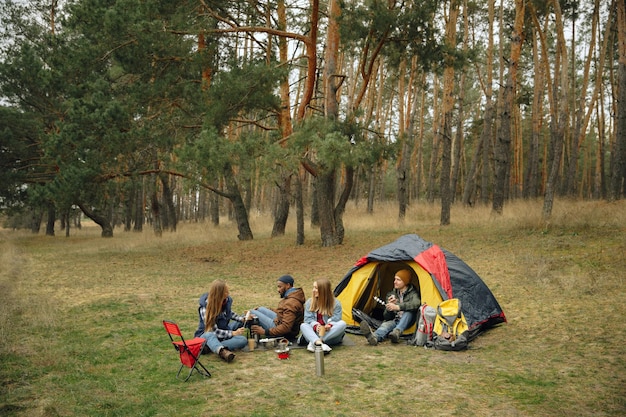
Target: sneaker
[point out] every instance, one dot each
(311, 347)
(326, 348)
(366, 331)
(226, 355)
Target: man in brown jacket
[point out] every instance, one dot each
(284, 320)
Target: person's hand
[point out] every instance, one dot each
(392, 299)
(393, 307)
(239, 332)
(257, 330)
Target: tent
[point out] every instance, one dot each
(437, 273)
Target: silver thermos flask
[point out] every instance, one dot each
(319, 360)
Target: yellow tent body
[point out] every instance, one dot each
(376, 279)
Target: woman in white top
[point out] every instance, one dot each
(322, 318)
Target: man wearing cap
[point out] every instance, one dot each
(284, 320)
(401, 308)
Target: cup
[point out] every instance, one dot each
(251, 345)
(321, 330)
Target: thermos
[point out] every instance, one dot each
(249, 322)
(255, 322)
(319, 360)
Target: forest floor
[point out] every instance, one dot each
(81, 331)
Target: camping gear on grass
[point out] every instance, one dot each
(450, 329)
(283, 349)
(188, 350)
(319, 360)
(438, 275)
(424, 333)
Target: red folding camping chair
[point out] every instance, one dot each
(188, 350)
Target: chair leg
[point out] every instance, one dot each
(205, 372)
(189, 375)
(180, 369)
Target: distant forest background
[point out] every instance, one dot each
(151, 112)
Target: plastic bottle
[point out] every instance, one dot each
(319, 360)
(420, 338)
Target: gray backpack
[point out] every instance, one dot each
(424, 333)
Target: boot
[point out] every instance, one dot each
(394, 336)
(366, 331)
(226, 355)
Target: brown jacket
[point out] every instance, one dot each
(289, 315)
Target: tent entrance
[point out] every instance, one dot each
(376, 279)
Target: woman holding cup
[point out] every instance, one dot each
(322, 318)
(219, 325)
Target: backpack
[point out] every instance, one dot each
(424, 331)
(450, 330)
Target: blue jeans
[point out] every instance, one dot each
(234, 343)
(334, 336)
(266, 317)
(407, 320)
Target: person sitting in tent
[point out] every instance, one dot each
(400, 313)
(219, 325)
(322, 318)
(285, 320)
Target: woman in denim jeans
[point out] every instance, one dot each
(219, 325)
(322, 318)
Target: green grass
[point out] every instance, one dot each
(81, 332)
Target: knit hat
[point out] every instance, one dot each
(287, 279)
(404, 275)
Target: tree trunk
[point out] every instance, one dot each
(35, 220)
(402, 171)
(618, 171)
(434, 156)
(67, 224)
(51, 220)
(100, 220)
(371, 190)
(299, 213)
(457, 145)
(331, 217)
(128, 206)
(157, 224)
(286, 128)
(340, 208)
(447, 109)
(140, 204)
(239, 208)
(531, 181)
(470, 183)
(558, 114)
(503, 142)
(311, 66)
(214, 206)
(583, 115)
(325, 186)
(282, 207)
(168, 200)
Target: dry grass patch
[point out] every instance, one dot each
(89, 311)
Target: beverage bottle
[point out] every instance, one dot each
(319, 360)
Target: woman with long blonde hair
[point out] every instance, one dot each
(322, 324)
(219, 325)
